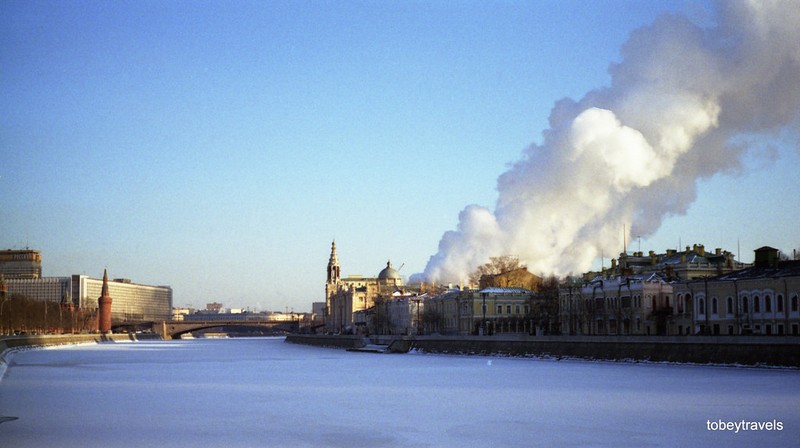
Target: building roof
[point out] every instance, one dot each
(388, 272)
(783, 269)
(496, 290)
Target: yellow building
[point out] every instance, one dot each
(344, 297)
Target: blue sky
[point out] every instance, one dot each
(219, 147)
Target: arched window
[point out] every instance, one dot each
(680, 303)
(756, 304)
(688, 303)
(714, 305)
(780, 303)
(768, 304)
(745, 305)
(794, 303)
(730, 306)
(702, 304)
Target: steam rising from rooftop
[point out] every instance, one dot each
(685, 103)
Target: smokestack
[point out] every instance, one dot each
(632, 152)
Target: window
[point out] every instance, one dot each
(745, 305)
(508, 309)
(680, 304)
(768, 304)
(702, 309)
(516, 309)
(780, 303)
(756, 304)
(499, 309)
(794, 304)
(714, 307)
(730, 306)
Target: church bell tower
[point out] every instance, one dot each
(334, 271)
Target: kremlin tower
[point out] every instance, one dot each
(104, 307)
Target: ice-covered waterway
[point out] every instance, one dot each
(264, 392)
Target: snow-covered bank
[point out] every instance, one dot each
(262, 392)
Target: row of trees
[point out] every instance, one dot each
(20, 314)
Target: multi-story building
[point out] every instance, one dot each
(486, 311)
(688, 295)
(762, 299)
(131, 301)
(694, 262)
(15, 264)
(634, 304)
(403, 314)
(344, 297)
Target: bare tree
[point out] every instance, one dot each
(495, 265)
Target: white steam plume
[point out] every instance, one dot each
(631, 153)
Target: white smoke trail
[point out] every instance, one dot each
(677, 109)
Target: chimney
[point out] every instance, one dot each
(718, 251)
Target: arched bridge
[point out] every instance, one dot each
(174, 329)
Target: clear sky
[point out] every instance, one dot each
(219, 147)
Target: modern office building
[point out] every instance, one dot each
(131, 301)
(20, 263)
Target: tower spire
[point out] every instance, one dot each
(334, 271)
(104, 307)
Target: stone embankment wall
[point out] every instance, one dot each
(343, 341)
(750, 350)
(11, 343)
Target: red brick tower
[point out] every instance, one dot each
(104, 307)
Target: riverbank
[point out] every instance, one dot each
(9, 344)
(778, 351)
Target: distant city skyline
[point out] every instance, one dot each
(220, 148)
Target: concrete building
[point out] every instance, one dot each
(131, 301)
(17, 264)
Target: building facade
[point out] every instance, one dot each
(131, 301)
(638, 304)
(760, 300)
(21, 264)
(346, 297)
(694, 262)
(476, 312)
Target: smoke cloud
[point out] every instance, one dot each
(686, 102)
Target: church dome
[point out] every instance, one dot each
(389, 273)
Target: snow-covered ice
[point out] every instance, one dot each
(264, 392)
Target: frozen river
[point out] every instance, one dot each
(264, 392)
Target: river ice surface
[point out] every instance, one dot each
(265, 392)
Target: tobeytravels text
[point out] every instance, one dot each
(744, 425)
